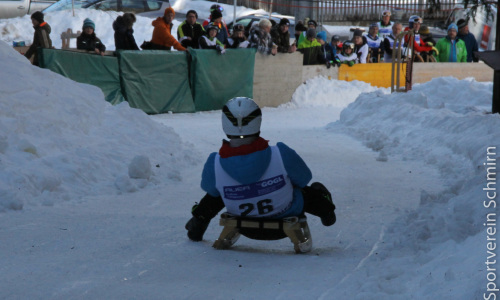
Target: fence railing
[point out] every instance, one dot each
(331, 11)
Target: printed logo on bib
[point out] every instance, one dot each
(247, 191)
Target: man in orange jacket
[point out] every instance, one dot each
(162, 36)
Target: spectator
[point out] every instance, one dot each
(389, 41)
(470, 41)
(261, 39)
(281, 37)
(237, 39)
(311, 24)
(385, 26)
(216, 18)
(124, 33)
(210, 41)
(450, 48)
(336, 45)
(88, 39)
(311, 49)
(347, 56)
(190, 31)
(212, 9)
(360, 46)
(299, 29)
(162, 32)
(426, 35)
(248, 159)
(326, 51)
(419, 46)
(374, 42)
(41, 37)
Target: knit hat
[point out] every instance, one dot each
(215, 15)
(374, 25)
(192, 11)
(312, 22)
(452, 26)
(88, 23)
(335, 38)
(311, 33)
(461, 23)
(300, 27)
(37, 15)
(284, 21)
(424, 30)
(169, 10)
(321, 35)
(357, 32)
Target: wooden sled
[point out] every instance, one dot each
(295, 228)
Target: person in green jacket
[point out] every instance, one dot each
(451, 49)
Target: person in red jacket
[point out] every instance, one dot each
(419, 45)
(162, 36)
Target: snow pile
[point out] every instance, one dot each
(59, 138)
(442, 244)
(322, 91)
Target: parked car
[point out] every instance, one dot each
(19, 8)
(482, 28)
(249, 20)
(145, 8)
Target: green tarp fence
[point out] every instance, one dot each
(101, 71)
(216, 78)
(156, 81)
(161, 81)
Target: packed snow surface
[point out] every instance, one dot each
(94, 197)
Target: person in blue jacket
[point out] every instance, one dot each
(252, 179)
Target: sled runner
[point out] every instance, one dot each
(295, 228)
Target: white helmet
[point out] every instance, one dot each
(414, 19)
(241, 118)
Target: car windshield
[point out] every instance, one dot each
(67, 4)
(136, 6)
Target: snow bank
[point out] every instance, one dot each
(444, 123)
(321, 91)
(61, 140)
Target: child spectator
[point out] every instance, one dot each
(216, 19)
(124, 33)
(41, 37)
(347, 56)
(237, 39)
(88, 39)
(210, 41)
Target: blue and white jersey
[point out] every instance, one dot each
(270, 196)
(394, 46)
(384, 30)
(373, 42)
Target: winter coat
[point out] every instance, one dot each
(343, 57)
(471, 46)
(41, 38)
(418, 43)
(248, 168)
(222, 35)
(235, 43)
(89, 42)
(362, 51)
(193, 31)
(207, 43)
(261, 40)
(282, 40)
(309, 44)
(446, 47)
(124, 36)
(162, 35)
